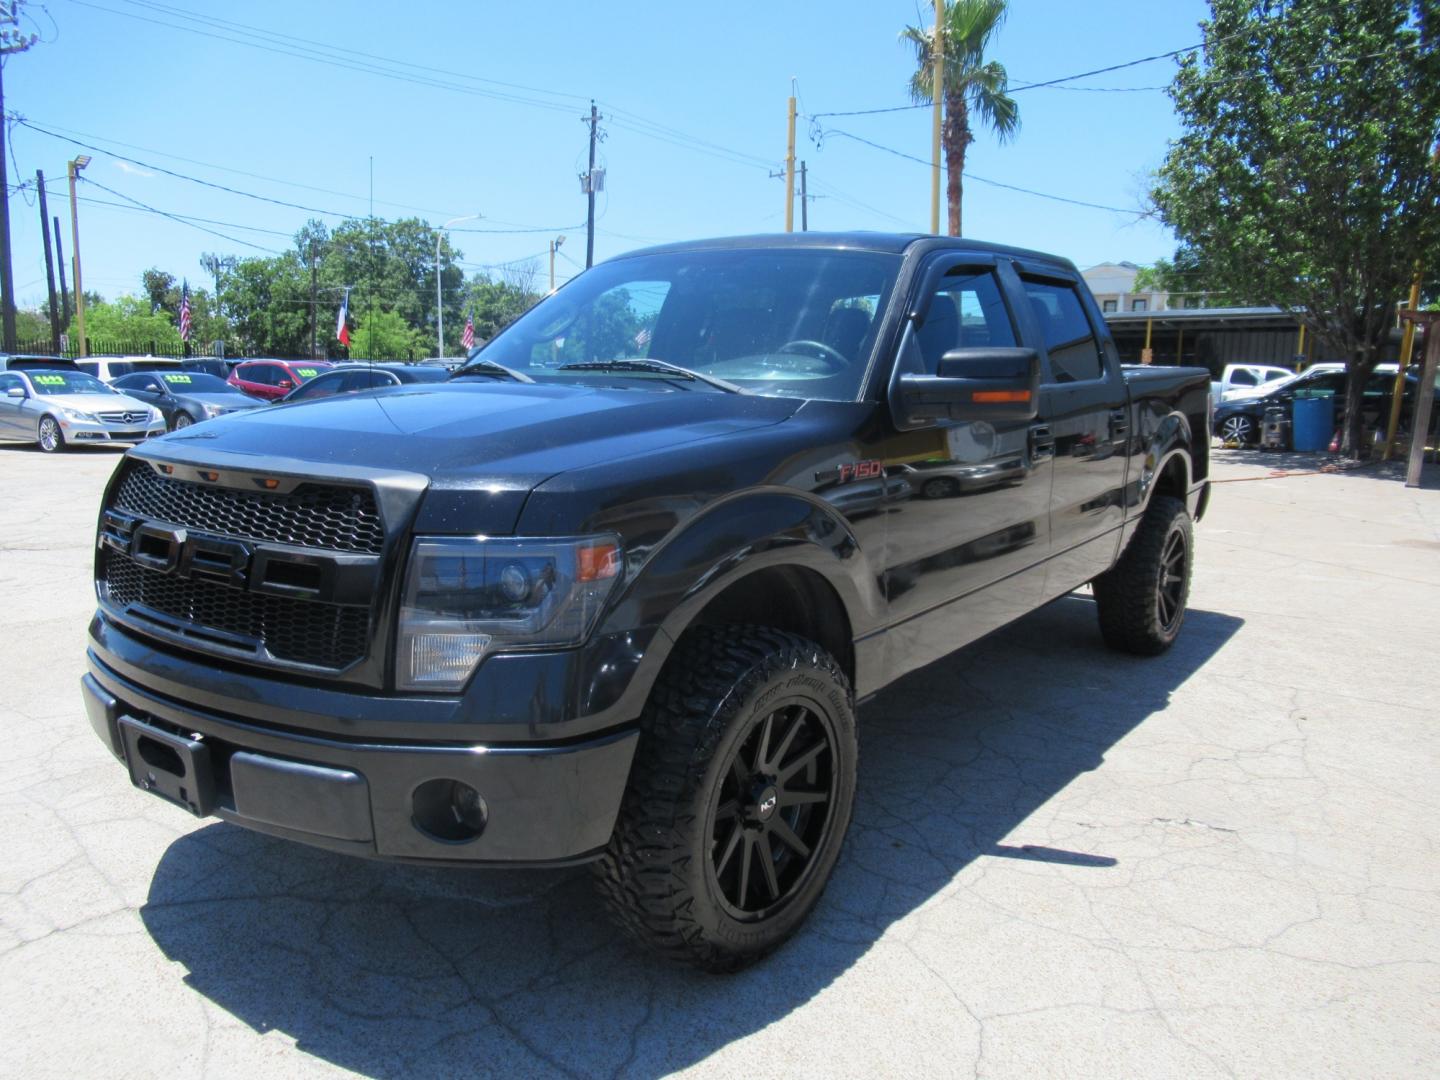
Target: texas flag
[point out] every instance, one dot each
(342, 332)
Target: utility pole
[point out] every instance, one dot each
(11, 41)
(790, 168)
(314, 353)
(804, 202)
(591, 183)
(49, 263)
(60, 267)
(72, 169)
(937, 92)
(554, 247)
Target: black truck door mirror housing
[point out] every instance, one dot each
(971, 384)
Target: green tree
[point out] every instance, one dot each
(269, 304)
(494, 305)
(129, 323)
(1304, 176)
(386, 335)
(971, 84)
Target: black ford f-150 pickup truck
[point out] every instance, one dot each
(611, 592)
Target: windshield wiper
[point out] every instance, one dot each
(480, 366)
(659, 366)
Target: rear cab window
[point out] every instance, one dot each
(1073, 349)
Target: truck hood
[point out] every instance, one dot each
(478, 448)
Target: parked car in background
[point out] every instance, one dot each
(186, 397)
(209, 365)
(109, 368)
(351, 379)
(449, 363)
(1239, 418)
(273, 379)
(1243, 378)
(55, 408)
(31, 361)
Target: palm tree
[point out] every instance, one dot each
(972, 84)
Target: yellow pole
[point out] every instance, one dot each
(1407, 349)
(937, 91)
(790, 170)
(1300, 349)
(75, 255)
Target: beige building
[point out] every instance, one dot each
(1114, 287)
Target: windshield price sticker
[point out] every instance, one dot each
(49, 380)
(308, 372)
(176, 378)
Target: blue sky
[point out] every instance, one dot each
(693, 97)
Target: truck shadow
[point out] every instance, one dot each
(393, 971)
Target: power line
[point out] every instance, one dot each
(982, 179)
(173, 217)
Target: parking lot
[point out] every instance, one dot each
(1064, 862)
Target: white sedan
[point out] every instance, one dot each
(57, 407)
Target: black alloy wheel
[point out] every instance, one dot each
(772, 811)
(1141, 601)
(739, 797)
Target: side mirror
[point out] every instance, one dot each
(971, 384)
(285, 384)
(16, 392)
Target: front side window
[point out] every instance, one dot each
(797, 323)
(1069, 338)
(966, 311)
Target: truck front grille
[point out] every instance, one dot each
(330, 636)
(313, 515)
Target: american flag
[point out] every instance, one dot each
(184, 311)
(467, 339)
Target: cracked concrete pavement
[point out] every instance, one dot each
(1063, 863)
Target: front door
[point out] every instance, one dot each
(969, 521)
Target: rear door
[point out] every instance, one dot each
(1085, 405)
(10, 407)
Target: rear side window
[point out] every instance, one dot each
(1069, 339)
(1242, 377)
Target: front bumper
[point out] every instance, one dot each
(545, 803)
(91, 431)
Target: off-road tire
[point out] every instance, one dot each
(1141, 601)
(658, 874)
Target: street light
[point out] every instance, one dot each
(554, 247)
(72, 169)
(439, 296)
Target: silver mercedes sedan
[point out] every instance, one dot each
(56, 408)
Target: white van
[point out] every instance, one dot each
(109, 368)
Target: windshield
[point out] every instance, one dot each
(798, 323)
(67, 382)
(195, 382)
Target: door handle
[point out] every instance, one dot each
(1042, 442)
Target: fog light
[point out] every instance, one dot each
(450, 811)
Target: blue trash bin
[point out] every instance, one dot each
(1314, 422)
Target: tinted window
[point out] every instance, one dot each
(1242, 378)
(8, 381)
(318, 388)
(1069, 339)
(259, 373)
(965, 311)
(135, 382)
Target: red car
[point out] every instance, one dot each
(271, 379)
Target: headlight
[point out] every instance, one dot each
(155, 416)
(466, 598)
(77, 414)
(211, 410)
